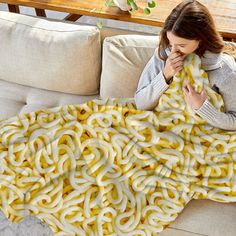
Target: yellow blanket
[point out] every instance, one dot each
(106, 168)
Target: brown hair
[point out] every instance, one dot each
(191, 20)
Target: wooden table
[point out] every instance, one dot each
(223, 11)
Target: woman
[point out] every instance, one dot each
(190, 28)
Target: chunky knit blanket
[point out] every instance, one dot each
(106, 168)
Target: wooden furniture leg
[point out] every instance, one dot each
(72, 17)
(13, 8)
(40, 12)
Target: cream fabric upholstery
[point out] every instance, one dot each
(47, 54)
(104, 31)
(206, 217)
(16, 99)
(124, 57)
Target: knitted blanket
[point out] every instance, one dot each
(106, 168)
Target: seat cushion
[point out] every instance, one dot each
(16, 99)
(51, 55)
(206, 217)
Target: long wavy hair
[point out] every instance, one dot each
(191, 20)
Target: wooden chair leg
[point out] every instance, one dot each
(72, 17)
(40, 12)
(13, 8)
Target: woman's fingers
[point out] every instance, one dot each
(177, 59)
(174, 55)
(177, 62)
(187, 87)
(174, 64)
(178, 66)
(190, 88)
(177, 69)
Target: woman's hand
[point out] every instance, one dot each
(194, 99)
(174, 63)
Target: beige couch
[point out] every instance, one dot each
(47, 63)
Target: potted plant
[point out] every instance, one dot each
(131, 5)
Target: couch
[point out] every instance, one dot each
(47, 63)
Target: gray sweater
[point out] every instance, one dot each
(221, 70)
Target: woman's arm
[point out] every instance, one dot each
(151, 85)
(222, 120)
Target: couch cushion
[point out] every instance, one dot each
(124, 58)
(57, 56)
(105, 31)
(16, 99)
(207, 217)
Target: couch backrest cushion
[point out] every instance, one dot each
(124, 58)
(56, 56)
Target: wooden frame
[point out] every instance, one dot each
(223, 11)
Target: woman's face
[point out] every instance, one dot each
(182, 45)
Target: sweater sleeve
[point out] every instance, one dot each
(223, 120)
(151, 85)
(218, 119)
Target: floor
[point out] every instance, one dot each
(34, 227)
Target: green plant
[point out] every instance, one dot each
(134, 4)
(109, 3)
(147, 9)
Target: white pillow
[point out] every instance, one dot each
(56, 56)
(124, 58)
